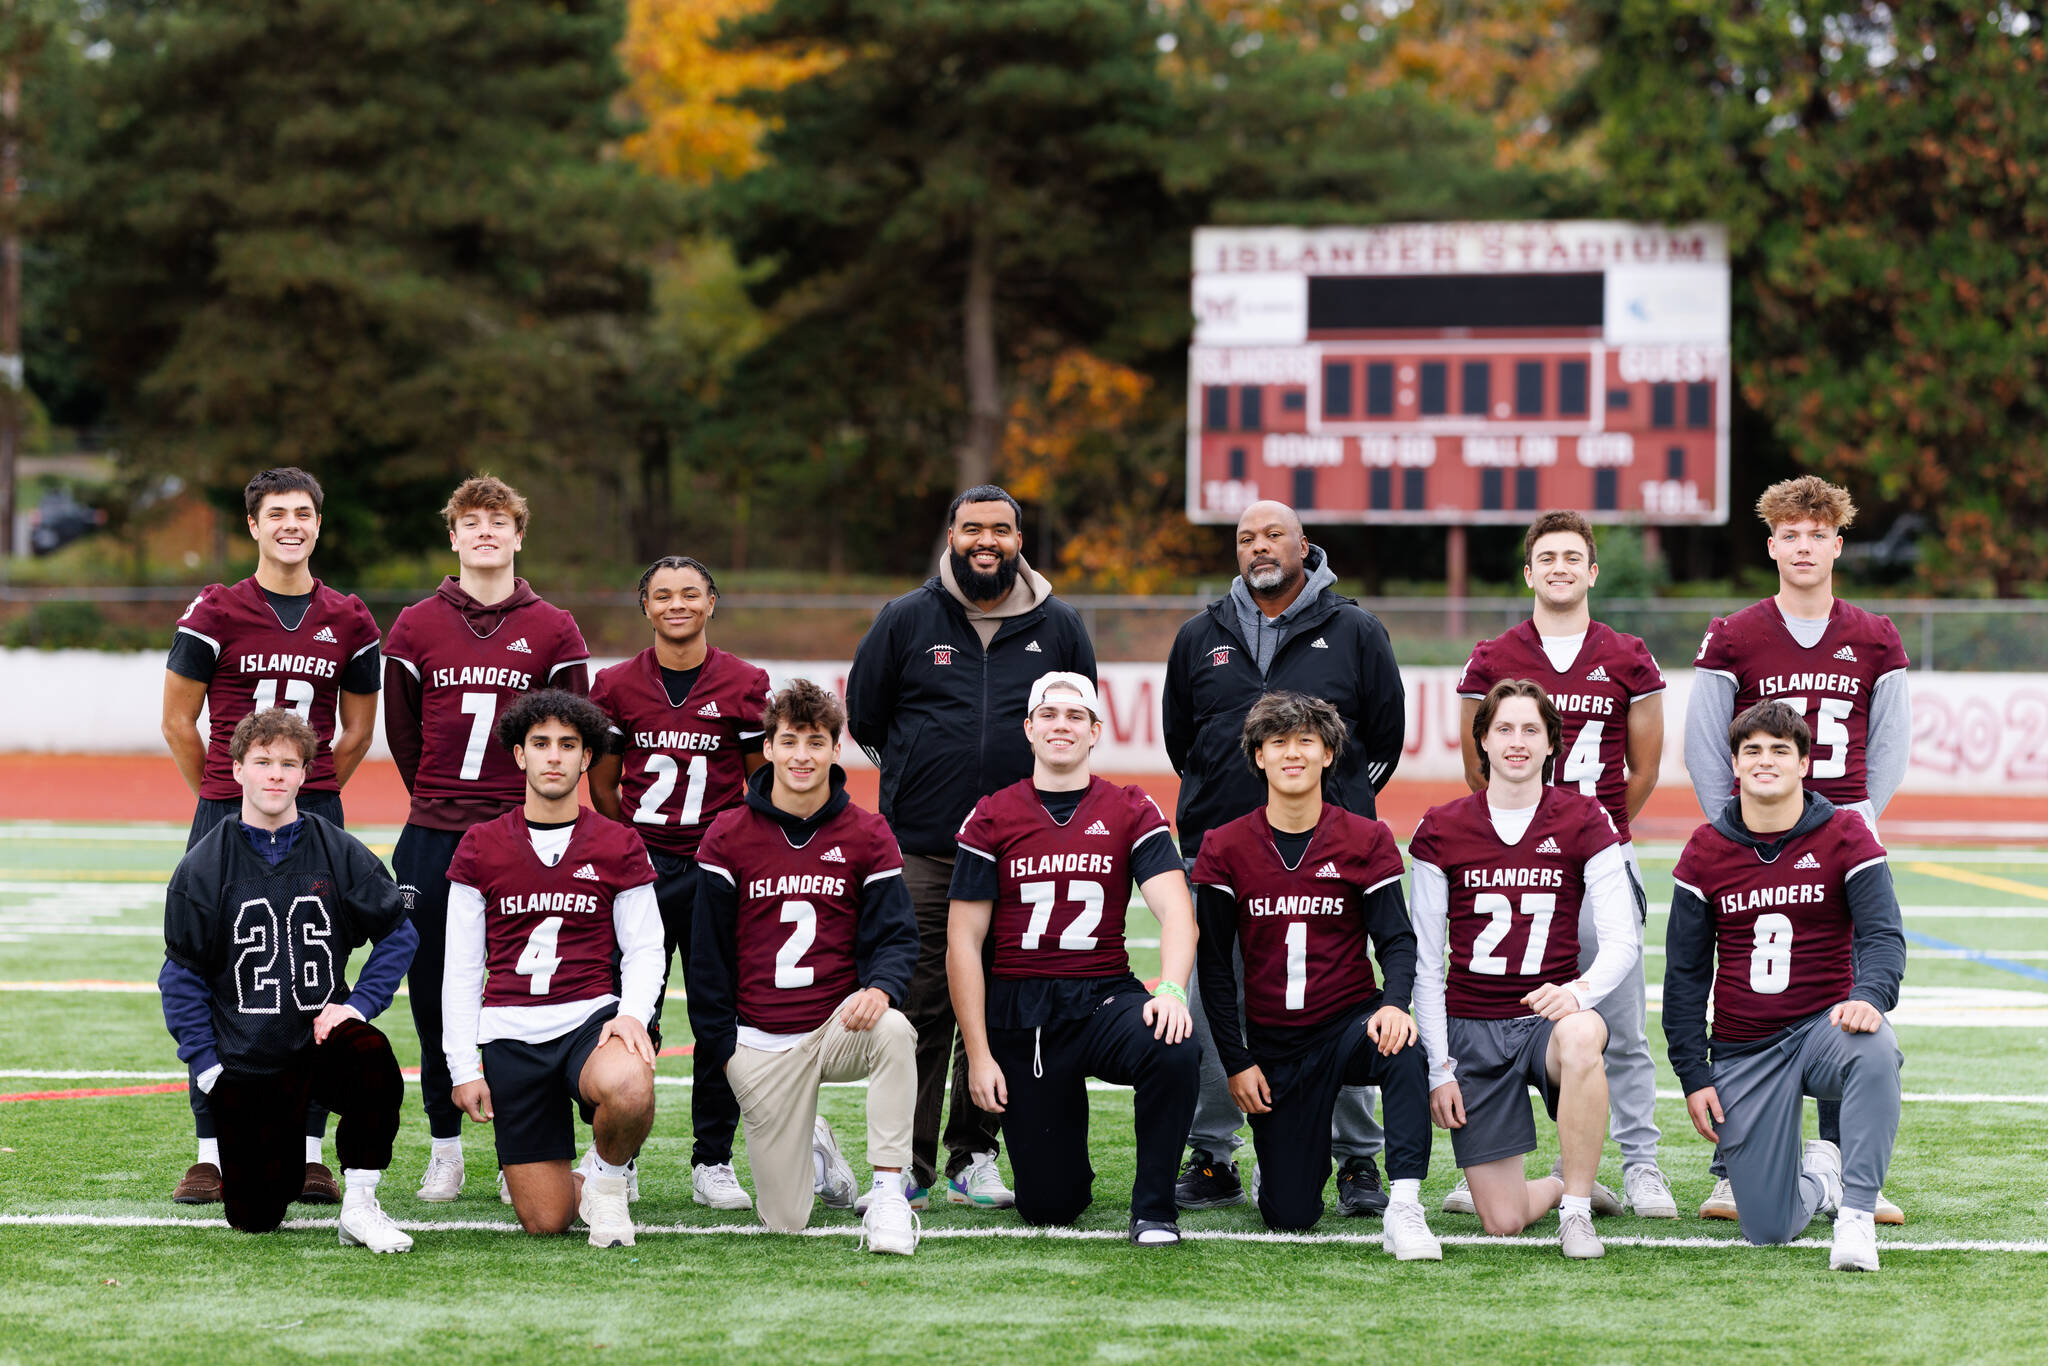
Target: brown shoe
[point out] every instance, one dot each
(320, 1187)
(199, 1186)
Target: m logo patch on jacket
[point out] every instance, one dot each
(941, 654)
(1219, 656)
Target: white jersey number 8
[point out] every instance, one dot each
(1770, 962)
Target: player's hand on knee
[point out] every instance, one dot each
(1250, 1091)
(1447, 1106)
(1552, 1002)
(864, 1009)
(1704, 1105)
(473, 1098)
(985, 1085)
(1856, 1017)
(1169, 1019)
(1392, 1028)
(332, 1014)
(629, 1032)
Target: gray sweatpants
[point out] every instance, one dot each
(1353, 1130)
(1631, 1070)
(1762, 1095)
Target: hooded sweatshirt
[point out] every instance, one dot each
(1262, 634)
(1025, 594)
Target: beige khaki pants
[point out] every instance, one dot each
(778, 1095)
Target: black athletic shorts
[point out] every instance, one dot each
(532, 1087)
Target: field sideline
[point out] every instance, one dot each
(99, 1265)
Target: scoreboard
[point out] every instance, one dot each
(1461, 373)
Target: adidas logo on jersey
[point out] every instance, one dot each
(1319, 644)
(1549, 846)
(1599, 674)
(1807, 861)
(1031, 648)
(1096, 829)
(520, 647)
(586, 872)
(1328, 870)
(327, 635)
(832, 855)
(708, 709)
(1846, 653)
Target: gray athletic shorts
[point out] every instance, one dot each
(1497, 1061)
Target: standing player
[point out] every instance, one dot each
(1500, 879)
(1841, 668)
(1046, 868)
(1609, 696)
(453, 664)
(259, 922)
(1301, 886)
(1784, 910)
(553, 964)
(804, 943)
(686, 736)
(279, 638)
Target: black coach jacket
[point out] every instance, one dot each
(1335, 650)
(942, 718)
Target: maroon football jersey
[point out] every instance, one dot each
(682, 763)
(797, 910)
(548, 932)
(1830, 684)
(260, 663)
(466, 680)
(1302, 930)
(1514, 909)
(1063, 888)
(1782, 929)
(1592, 697)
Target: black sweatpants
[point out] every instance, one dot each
(714, 1110)
(204, 818)
(1293, 1139)
(1046, 1122)
(420, 863)
(262, 1155)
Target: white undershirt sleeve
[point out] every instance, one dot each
(462, 983)
(636, 919)
(1429, 910)
(1614, 920)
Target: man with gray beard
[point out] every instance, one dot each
(1282, 627)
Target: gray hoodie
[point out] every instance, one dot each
(1261, 632)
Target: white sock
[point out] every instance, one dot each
(1153, 1236)
(604, 1168)
(886, 1183)
(1405, 1188)
(355, 1179)
(313, 1153)
(1582, 1203)
(209, 1150)
(448, 1147)
(1859, 1216)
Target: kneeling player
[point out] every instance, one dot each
(259, 921)
(1046, 866)
(1299, 887)
(803, 943)
(554, 959)
(1784, 909)
(1499, 878)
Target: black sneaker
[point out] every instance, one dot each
(1206, 1183)
(1359, 1190)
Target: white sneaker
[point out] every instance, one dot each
(365, 1224)
(1824, 1160)
(442, 1180)
(504, 1191)
(1251, 1187)
(1459, 1200)
(1855, 1245)
(716, 1184)
(1649, 1195)
(1407, 1233)
(587, 1168)
(979, 1184)
(1720, 1203)
(1887, 1212)
(1575, 1236)
(836, 1187)
(603, 1208)
(889, 1225)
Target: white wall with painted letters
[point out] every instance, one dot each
(1972, 733)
